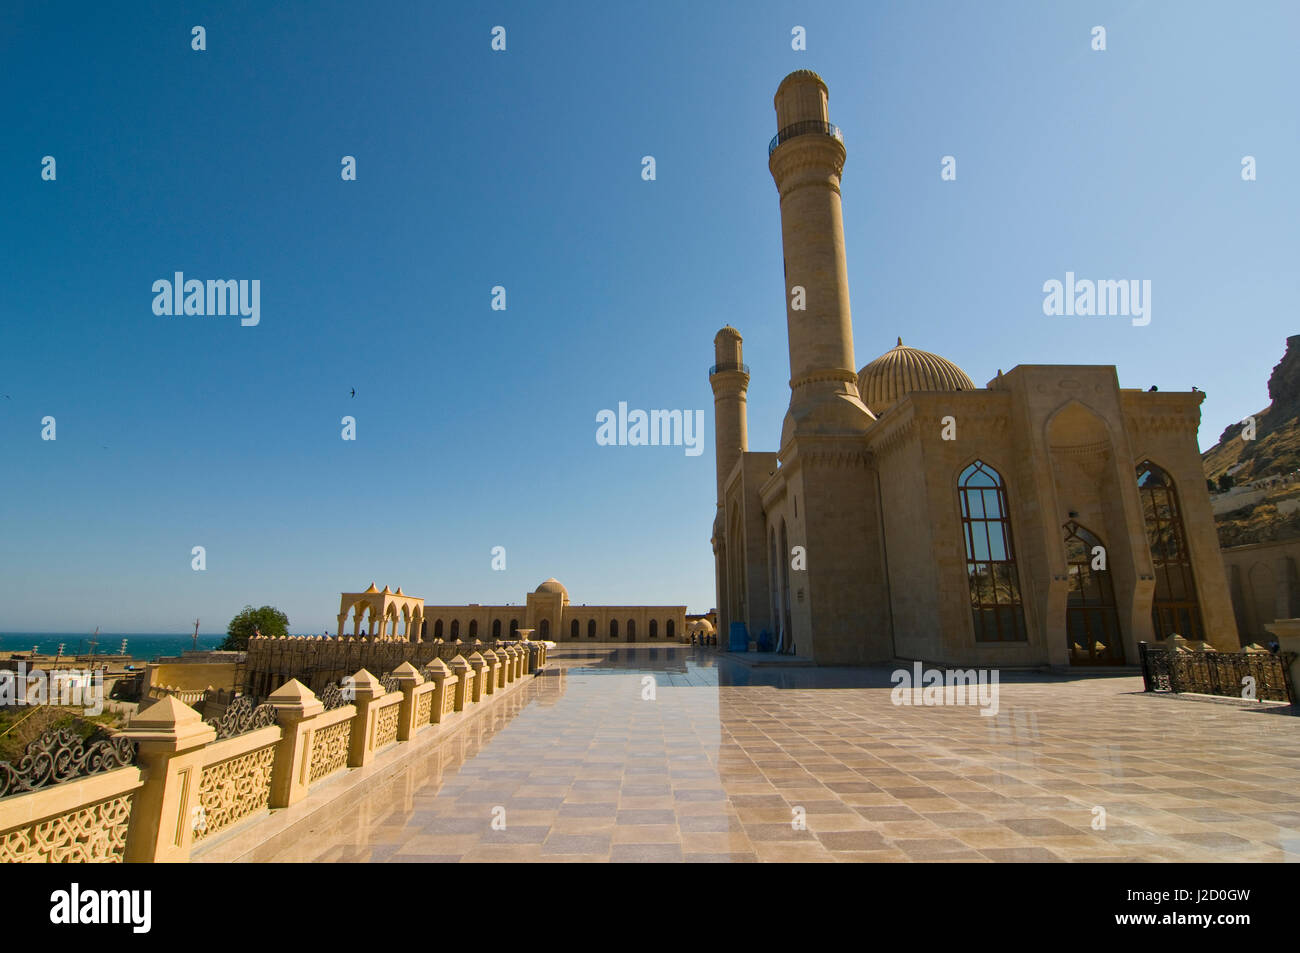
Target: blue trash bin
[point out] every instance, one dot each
(738, 640)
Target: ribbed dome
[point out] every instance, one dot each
(552, 585)
(905, 369)
(801, 75)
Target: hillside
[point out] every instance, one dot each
(1268, 461)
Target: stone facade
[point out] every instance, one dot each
(1263, 580)
(992, 526)
(546, 610)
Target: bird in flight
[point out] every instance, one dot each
(354, 392)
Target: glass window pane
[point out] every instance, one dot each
(998, 540)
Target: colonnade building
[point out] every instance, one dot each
(547, 611)
(1049, 517)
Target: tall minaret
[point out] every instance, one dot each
(729, 378)
(806, 159)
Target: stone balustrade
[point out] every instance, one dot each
(189, 785)
(317, 661)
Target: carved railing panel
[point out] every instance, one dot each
(329, 749)
(232, 790)
(386, 725)
(424, 709)
(95, 833)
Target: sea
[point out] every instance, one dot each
(141, 646)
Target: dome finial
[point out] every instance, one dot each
(900, 341)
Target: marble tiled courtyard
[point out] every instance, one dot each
(714, 766)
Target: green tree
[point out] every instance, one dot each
(1226, 481)
(268, 620)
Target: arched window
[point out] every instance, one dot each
(437, 629)
(473, 629)
(671, 629)
(591, 628)
(654, 628)
(613, 628)
(544, 630)
(996, 609)
(514, 628)
(1175, 610)
(573, 629)
(455, 629)
(1091, 622)
(631, 630)
(424, 629)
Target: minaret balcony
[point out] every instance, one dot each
(808, 127)
(719, 368)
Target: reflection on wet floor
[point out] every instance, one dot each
(708, 759)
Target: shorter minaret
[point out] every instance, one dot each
(729, 378)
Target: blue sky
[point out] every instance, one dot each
(476, 428)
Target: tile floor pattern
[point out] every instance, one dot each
(714, 767)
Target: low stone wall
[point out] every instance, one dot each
(193, 780)
(81, 821)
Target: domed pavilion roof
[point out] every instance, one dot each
(902, 370)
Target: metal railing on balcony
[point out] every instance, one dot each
(805, 128)
(719, 368)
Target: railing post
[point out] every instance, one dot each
(296, 708)
(443, 703)
(367, 690)
(408, 679)
(492, 666)
(464, 673)
(481, 672)
(171, 736)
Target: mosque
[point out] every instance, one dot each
(1050, 517)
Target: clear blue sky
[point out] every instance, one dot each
(477, 428)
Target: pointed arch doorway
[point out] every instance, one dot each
(1092, 631)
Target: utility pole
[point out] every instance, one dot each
(196, 635)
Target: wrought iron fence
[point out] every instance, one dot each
(331, 696)
(1217, 673)
(807, 127)
(242, 716)
(63, 755)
